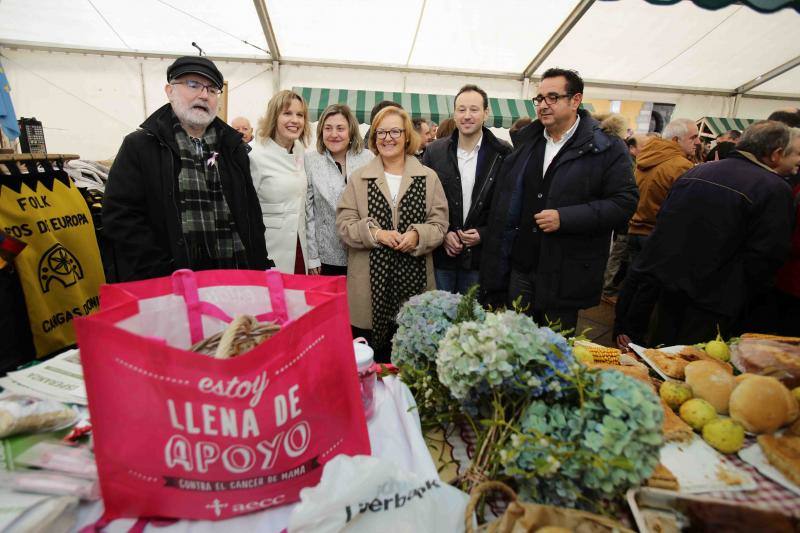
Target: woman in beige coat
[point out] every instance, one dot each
(391, 216)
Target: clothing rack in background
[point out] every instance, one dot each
(15, 330)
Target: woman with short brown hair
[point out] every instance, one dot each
(340, 151)
(392, 215)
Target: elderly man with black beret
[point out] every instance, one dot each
(179, 194)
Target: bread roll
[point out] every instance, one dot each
(762, 404)
(711, 382)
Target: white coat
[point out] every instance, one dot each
(280, 182)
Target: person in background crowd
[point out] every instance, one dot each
(446, 128)
(375, 110)
(635, 143)
(659, 164)
(789, 116)
(434, 127)
(467, 164)
(615, 125)
(339, 152)
(179, 194)
(392, 215)
(276, 163)
(725, 143)
(518, 124)
(423, 129)
(784, 313)
(242, 125)
(722, 150)
(559, 195)
(721, 234)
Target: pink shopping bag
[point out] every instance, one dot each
(182, 435)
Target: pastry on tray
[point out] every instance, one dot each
(783, 453)
(662, 478)
(673, 364)
(634, 370)
(673, 427)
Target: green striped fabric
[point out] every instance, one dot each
(718, 125)
(503, 112)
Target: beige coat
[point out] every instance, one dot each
(353, 223)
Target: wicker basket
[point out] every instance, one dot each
(530, 517)
(243, 334)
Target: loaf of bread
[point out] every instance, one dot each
(762, 404)
(711, 382)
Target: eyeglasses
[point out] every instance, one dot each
(197, 87)
(551, 99)
(395, 133)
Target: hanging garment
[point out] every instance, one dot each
(59, 269)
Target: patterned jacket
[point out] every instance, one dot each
(325, 186)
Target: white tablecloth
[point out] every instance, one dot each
(394, 433)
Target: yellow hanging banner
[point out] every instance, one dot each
(60, 268)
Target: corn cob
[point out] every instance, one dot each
(767, 337)
(602, 354)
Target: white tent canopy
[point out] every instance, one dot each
(706, 62)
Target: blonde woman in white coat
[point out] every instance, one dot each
(276, 164)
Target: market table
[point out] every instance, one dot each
(460, 444)
(395, 434)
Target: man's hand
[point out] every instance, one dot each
(470, 237)
(623, 343)
(314, 271)
(408, 241)
(387, 237)
(548, 220)
(452, 244)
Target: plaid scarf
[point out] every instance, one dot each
(207, 223)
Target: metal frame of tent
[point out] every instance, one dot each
(276, 59)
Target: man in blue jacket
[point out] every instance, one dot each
(558, 197)
(719, 238)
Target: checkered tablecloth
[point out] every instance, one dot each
(768, 495)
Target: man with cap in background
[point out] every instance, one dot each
(179, 194)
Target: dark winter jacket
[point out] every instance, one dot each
(721, 234)
(440, 155)
(593, 190)
(788, 278)
(141, 218)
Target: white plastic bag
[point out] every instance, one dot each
(364, 494)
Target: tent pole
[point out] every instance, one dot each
(767, 76)
(266, 27)
(276, 77)
(736, 101)
(526, 88)
(144, 92)
(555, 39)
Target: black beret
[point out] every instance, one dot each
(195, 65)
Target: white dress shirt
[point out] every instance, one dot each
(552, 147)
(467, 167)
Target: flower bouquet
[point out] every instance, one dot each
(560, 432)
